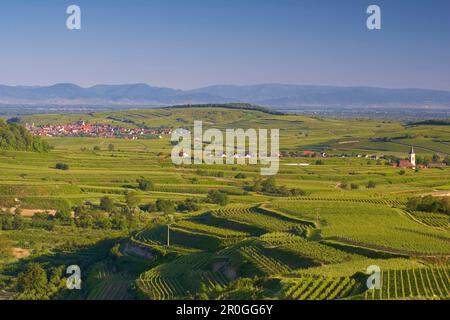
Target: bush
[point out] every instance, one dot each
(269, 185)
(62, 166)
(63, 215)
(217, 197)
(371, 185)
(429, 204)
(145, 185)
(166, 206)
(9, 221)
(5, 247)
(354, 186)
(107, 204)
(132, 199)
(188, 205)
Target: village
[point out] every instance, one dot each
(83, 129)
(410, 163)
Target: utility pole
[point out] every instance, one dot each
(168, 235)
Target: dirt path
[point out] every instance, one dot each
(30, 212)
(20, 253)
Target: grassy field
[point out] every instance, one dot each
(314, 246)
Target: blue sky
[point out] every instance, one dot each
(192, 43)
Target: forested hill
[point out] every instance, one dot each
(16, 137)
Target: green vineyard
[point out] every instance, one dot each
(320, 288)
(141, 227)
(419, 283)
(432, 219)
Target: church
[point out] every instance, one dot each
(410, 163)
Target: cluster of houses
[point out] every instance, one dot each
(401, 163)
(411, 162)
(82, 129)
(234, 156)
(313, 154)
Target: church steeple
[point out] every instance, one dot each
(412, 156)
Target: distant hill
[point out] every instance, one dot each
(432, 122)
(238, 106)
(16, 137)
(279, 96)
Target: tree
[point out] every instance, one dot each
(447, 160)
(5, 247)
(84, 220)
(18, 222)
(269, 185)
(132, 199)
(257, 186)
(101, 221)
(33, 281)
(217, 197)
(119, 221)
(17, 137)
(165, 206)
(63, 215)
(436, 157)
(107, 204)
(145, 185)
(188, 205)
(6, 221)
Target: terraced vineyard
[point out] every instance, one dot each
(432, 219)
(320, 288)
(373, 226)
(170, 281)
(389, 202)
(264, 262)
(313, 250)
(161, 288)
(201, 228)
(161, 231)
(261, 218)
(419, 283)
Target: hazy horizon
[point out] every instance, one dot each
(220, 85)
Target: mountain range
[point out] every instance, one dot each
(278, 96)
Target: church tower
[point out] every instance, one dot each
(412, 157)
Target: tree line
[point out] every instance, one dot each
(16, 137)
